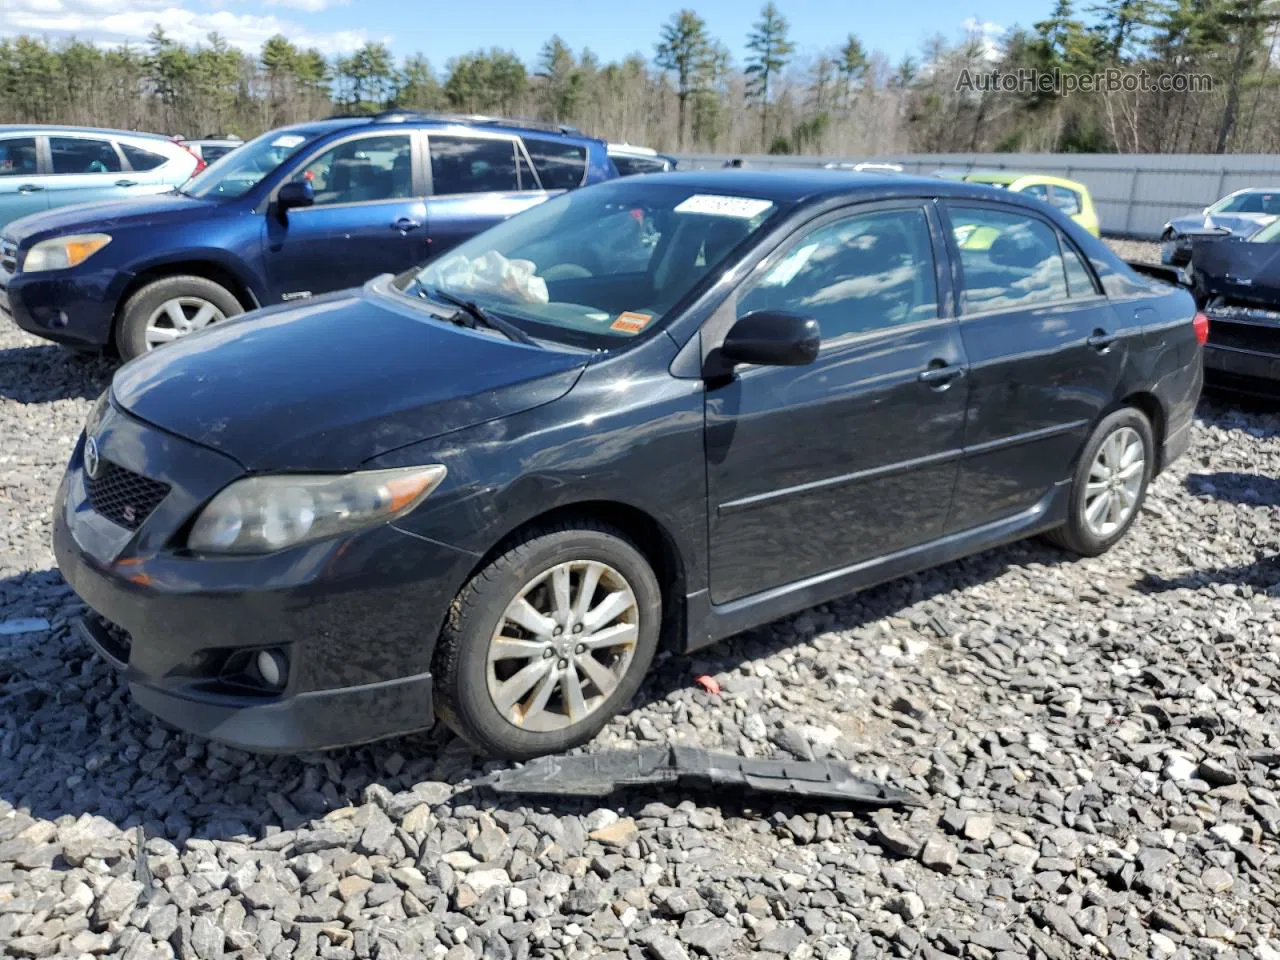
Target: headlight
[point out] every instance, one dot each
(60, 253)
(261, 514)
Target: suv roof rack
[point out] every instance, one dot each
(476, 119)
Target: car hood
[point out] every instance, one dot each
(1240, 224)
(329, 384)
(1238, 269)
(107, 216)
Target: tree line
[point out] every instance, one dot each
(690, 93)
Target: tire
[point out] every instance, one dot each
(467, 685)
(1083, 535)
(190, 292)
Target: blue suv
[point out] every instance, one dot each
(299, 211)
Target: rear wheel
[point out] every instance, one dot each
(548, 641)
(169, 309)
(1110, 483)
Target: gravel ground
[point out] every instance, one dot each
(1136, 249)
(1093, 742)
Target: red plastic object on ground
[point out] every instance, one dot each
(707, 683)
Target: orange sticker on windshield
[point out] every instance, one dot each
(631, 322)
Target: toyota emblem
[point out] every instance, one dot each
(91, 459)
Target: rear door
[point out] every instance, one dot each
(146, 168)
(477, 179)
(1046, 352)
(86, 169)
(22, 188)
(812, 469)
(368, 218)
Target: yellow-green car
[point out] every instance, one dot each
(1069, 196)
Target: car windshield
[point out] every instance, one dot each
(239, 171)
(598, 266)
(1252, 202)
(1268, 234)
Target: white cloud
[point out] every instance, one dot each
(308, 6)
(986, 32)
(117, 21)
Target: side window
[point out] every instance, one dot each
(141, 159)
(527, 179)
(18, 157)
(1037, 190)
(358, 171)
(472, 165)
(560, 165)
(1079, 280)
(630, 166)
(866, 272)
(1068, 201)
(1006, 259)
(80, 155)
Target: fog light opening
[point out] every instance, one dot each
(272, 668)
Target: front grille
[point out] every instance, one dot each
(124, 497)
(1253, 337)
(8, 255)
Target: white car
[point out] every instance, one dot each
(632, 160)
(212, 148)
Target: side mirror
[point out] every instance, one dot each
(296, 193)
(773, 338)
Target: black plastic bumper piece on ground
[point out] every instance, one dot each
(600, 774)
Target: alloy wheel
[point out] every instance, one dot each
(178, 317)
(1115, 481)
(562, 645)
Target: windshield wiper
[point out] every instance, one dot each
(471, 314)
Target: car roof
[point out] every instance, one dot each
(53, 128)
(802, 185)
(1008, 177)
(399, 119)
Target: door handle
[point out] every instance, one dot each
(1102, 341)
(126, 183)
(939, 374)
(404, 225)
(30, 187)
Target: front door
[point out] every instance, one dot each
(369, 217)
(813, 469)
(22, 189)
(477, 181)
(1046, 351)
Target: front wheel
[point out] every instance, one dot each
(548, 641)
(169, 309)
(1110, 483)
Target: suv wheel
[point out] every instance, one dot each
(1110, 483)
(168, 309)
(548, 641)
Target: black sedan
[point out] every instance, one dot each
(1238, 283)
(654, 412)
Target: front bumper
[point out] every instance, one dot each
(356, 618)
(75, 307)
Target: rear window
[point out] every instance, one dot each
(211, 152)
(472, 165)
(630, 166)
(560, 165)
(83, 155)
(140, 159)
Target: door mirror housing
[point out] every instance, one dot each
(296, 193)
(774, 338)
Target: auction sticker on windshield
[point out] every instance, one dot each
(714, 205)
(630, 322)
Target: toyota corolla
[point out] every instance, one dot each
(657, 411)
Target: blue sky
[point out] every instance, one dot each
(612, 28)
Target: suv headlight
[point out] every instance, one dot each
(60, 253)
(262, 514)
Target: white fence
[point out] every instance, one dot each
(1135, 193)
